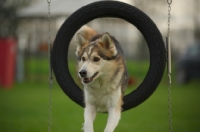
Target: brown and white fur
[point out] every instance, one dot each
(102, 70)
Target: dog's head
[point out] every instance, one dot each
(94, 57)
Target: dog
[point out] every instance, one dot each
(102, 70)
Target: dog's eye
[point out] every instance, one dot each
(83, 58)
(96, 59)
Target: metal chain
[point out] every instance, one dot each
(168, 46)
(50, 68)
(169, 16)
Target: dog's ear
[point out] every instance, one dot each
(80, 40)
(108, 43)
(81, 44)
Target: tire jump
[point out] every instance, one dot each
(59, 57)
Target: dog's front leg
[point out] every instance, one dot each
(89, 116)
(113, 119)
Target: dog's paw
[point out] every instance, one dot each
(87, 129)
(106, 130)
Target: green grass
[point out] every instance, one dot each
(24, 108)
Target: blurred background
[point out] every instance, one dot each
(24, 66)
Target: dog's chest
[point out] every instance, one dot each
(103, 98)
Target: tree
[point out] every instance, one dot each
(8, 16)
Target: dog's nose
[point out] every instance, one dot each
(83, 73)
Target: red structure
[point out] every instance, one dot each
(7, 61)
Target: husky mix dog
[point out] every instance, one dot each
(103, 73)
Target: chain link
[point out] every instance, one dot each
(170, 103)
(168, 47)
(50, 103)
(50, 68)
(49, 39)
(169, 1)
(169, 16)
(48, 1)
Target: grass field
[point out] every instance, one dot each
(24, 108)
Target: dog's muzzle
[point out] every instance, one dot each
(83, 74)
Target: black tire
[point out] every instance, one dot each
(109, 9)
